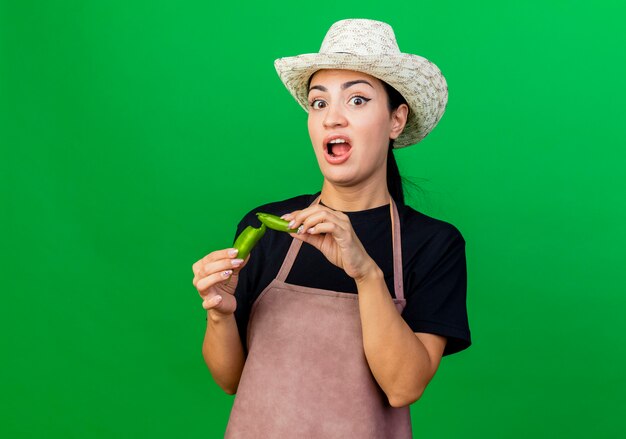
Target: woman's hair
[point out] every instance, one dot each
(394, 181)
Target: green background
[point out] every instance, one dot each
(135, 135)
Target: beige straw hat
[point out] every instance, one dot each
(370, 46)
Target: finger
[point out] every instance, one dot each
(203, 284)
(235, 264)
(211, 301)
(299, 216)
(289, 216)
(238, 268)
(221, 265)
(325, 227)
(227, 253)
(234, 276)
(321, 217)
(215, 267)
(296, 217)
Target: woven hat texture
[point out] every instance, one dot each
(370, 46)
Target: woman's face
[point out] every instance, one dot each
(350, 126)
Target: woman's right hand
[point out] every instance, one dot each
(215, 278)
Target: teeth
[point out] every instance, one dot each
(338, 141)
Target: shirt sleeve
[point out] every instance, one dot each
(438, 304)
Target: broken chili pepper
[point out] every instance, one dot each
(275, 222)
(248, 239)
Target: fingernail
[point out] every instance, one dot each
(310, 230)
(217, 299)
(236, 262)
(300, 229)
(227, 273)
(291, 223)
(233, 252)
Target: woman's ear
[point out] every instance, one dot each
(398, 120)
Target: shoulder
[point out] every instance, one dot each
(421, 229)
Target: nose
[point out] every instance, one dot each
(334, 117)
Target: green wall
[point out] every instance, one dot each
(135, 135)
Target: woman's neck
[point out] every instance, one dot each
(352, 199)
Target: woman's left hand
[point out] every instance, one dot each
(331, 233)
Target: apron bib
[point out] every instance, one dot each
(306, 375)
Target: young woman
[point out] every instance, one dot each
(337, 337)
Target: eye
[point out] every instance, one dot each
(317, 104)
(359, 100)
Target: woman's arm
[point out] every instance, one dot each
(216, 277)
(403, 362)
(222, 351)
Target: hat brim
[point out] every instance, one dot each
(417, 79)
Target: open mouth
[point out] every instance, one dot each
(338, 148)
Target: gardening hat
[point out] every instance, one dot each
(370, 46)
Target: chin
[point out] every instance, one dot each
(341, 179)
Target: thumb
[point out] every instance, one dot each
(212, 302)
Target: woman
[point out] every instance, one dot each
(336, 338)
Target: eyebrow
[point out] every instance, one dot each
(343, 86)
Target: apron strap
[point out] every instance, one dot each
(398, 282)
(294, 248)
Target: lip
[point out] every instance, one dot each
(336, 136)
(336, 160)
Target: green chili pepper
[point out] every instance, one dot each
(274, 222)
(248, 239)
